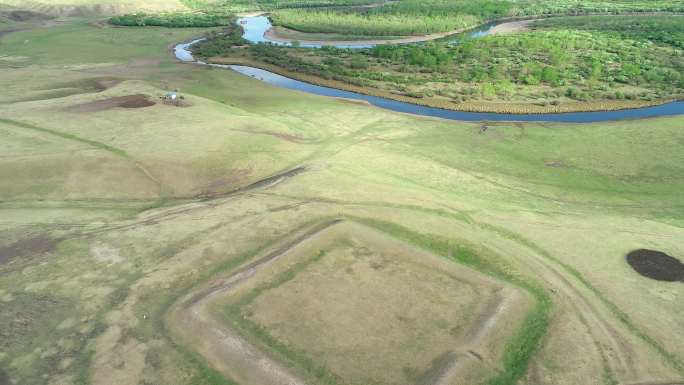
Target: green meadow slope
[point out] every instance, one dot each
(95, 7)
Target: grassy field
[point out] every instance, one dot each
(113, 218)
(94, 7)
(416, 17)
(268, 5)
(325, 308)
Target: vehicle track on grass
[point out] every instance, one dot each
(610, 343)
(469, 353)
(98, 145)
(221, 343)
(615, 349)
(191, 319)
(200, 202)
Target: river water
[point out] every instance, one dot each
(258, 25)
(255, 28)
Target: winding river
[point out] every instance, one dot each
(256, 26)
(256, 30)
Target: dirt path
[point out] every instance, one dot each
(470, 353)
(610, 342)
(511, 27)
(202, 202)
(193, 322)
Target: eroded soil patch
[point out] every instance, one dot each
(39, 244)
(656, 265)
(128, 101)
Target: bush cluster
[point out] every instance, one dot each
(174, 20)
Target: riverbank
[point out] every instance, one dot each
(511, 27)
(503, 107)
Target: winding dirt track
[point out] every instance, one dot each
(613, 347)
(203, 201)
(192, 321)
(222, 347)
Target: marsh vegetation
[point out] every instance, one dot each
(412, 17)
(560, 65)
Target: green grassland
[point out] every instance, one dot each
(108, 215)
(94, 7)
(269, 5)
(366, 281)
(416, 17)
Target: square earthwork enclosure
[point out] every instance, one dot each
(352, 305)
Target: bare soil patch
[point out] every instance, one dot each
(656, 265)
(512, 27)
(128, 101)
(39, 244)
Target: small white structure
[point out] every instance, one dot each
(172, 98)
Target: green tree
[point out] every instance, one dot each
(550, 75)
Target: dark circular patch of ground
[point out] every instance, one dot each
(656, 265)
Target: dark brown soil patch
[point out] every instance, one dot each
(129, 101)
(140, 101)
(656, 265)
(39, 244)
